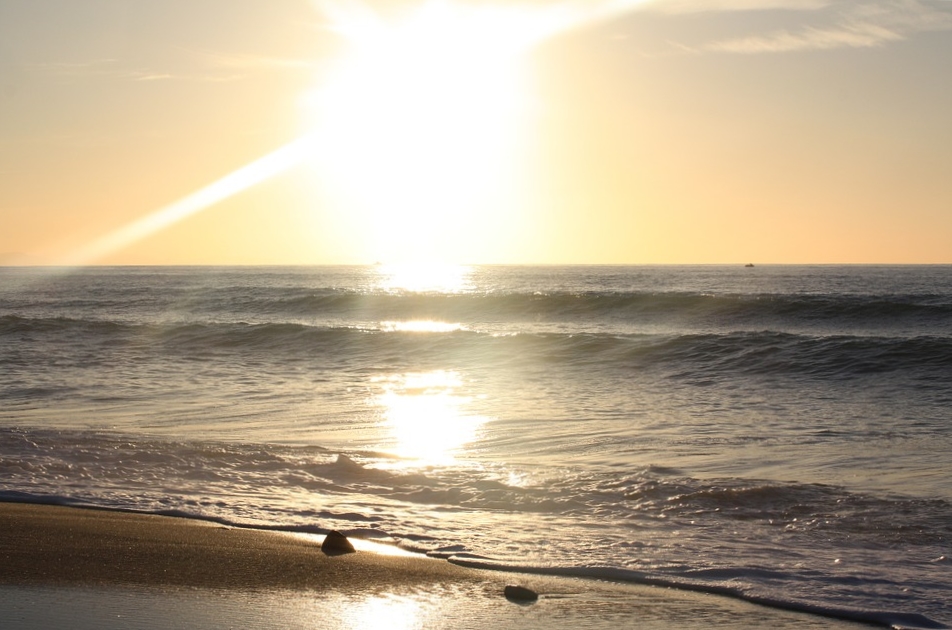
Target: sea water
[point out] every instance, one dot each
(778, 433)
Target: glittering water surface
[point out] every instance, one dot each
(779, 432)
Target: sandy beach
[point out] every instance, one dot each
(68, 546)
(62, 566)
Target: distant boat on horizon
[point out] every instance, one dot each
(749, 265)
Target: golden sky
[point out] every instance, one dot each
(540, 131)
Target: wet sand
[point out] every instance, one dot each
(60, 545)
(95, 568)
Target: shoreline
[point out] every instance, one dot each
(64, 545)
(57, 560)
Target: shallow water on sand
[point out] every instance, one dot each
(564, 604)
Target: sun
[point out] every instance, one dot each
(418, 127)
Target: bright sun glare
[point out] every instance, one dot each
(417, 125)
(423, 278)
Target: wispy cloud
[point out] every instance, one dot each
(215, 68)
(814, 24)
(152, 76)
(240, 61)
(190, 77)
(73, 68)
(710, 6)
(859, 35)
(856, 25)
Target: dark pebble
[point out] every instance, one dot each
(520, 594)
(335, 543)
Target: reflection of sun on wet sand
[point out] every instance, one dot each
(62, 565)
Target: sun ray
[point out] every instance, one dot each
(238, 180)
(468, 51)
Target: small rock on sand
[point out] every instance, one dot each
(335, 543)
(520, 594)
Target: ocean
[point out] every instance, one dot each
(781, 434)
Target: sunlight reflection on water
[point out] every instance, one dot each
(425, 415)
(387, 611)
(424, 277)
(421, 326)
